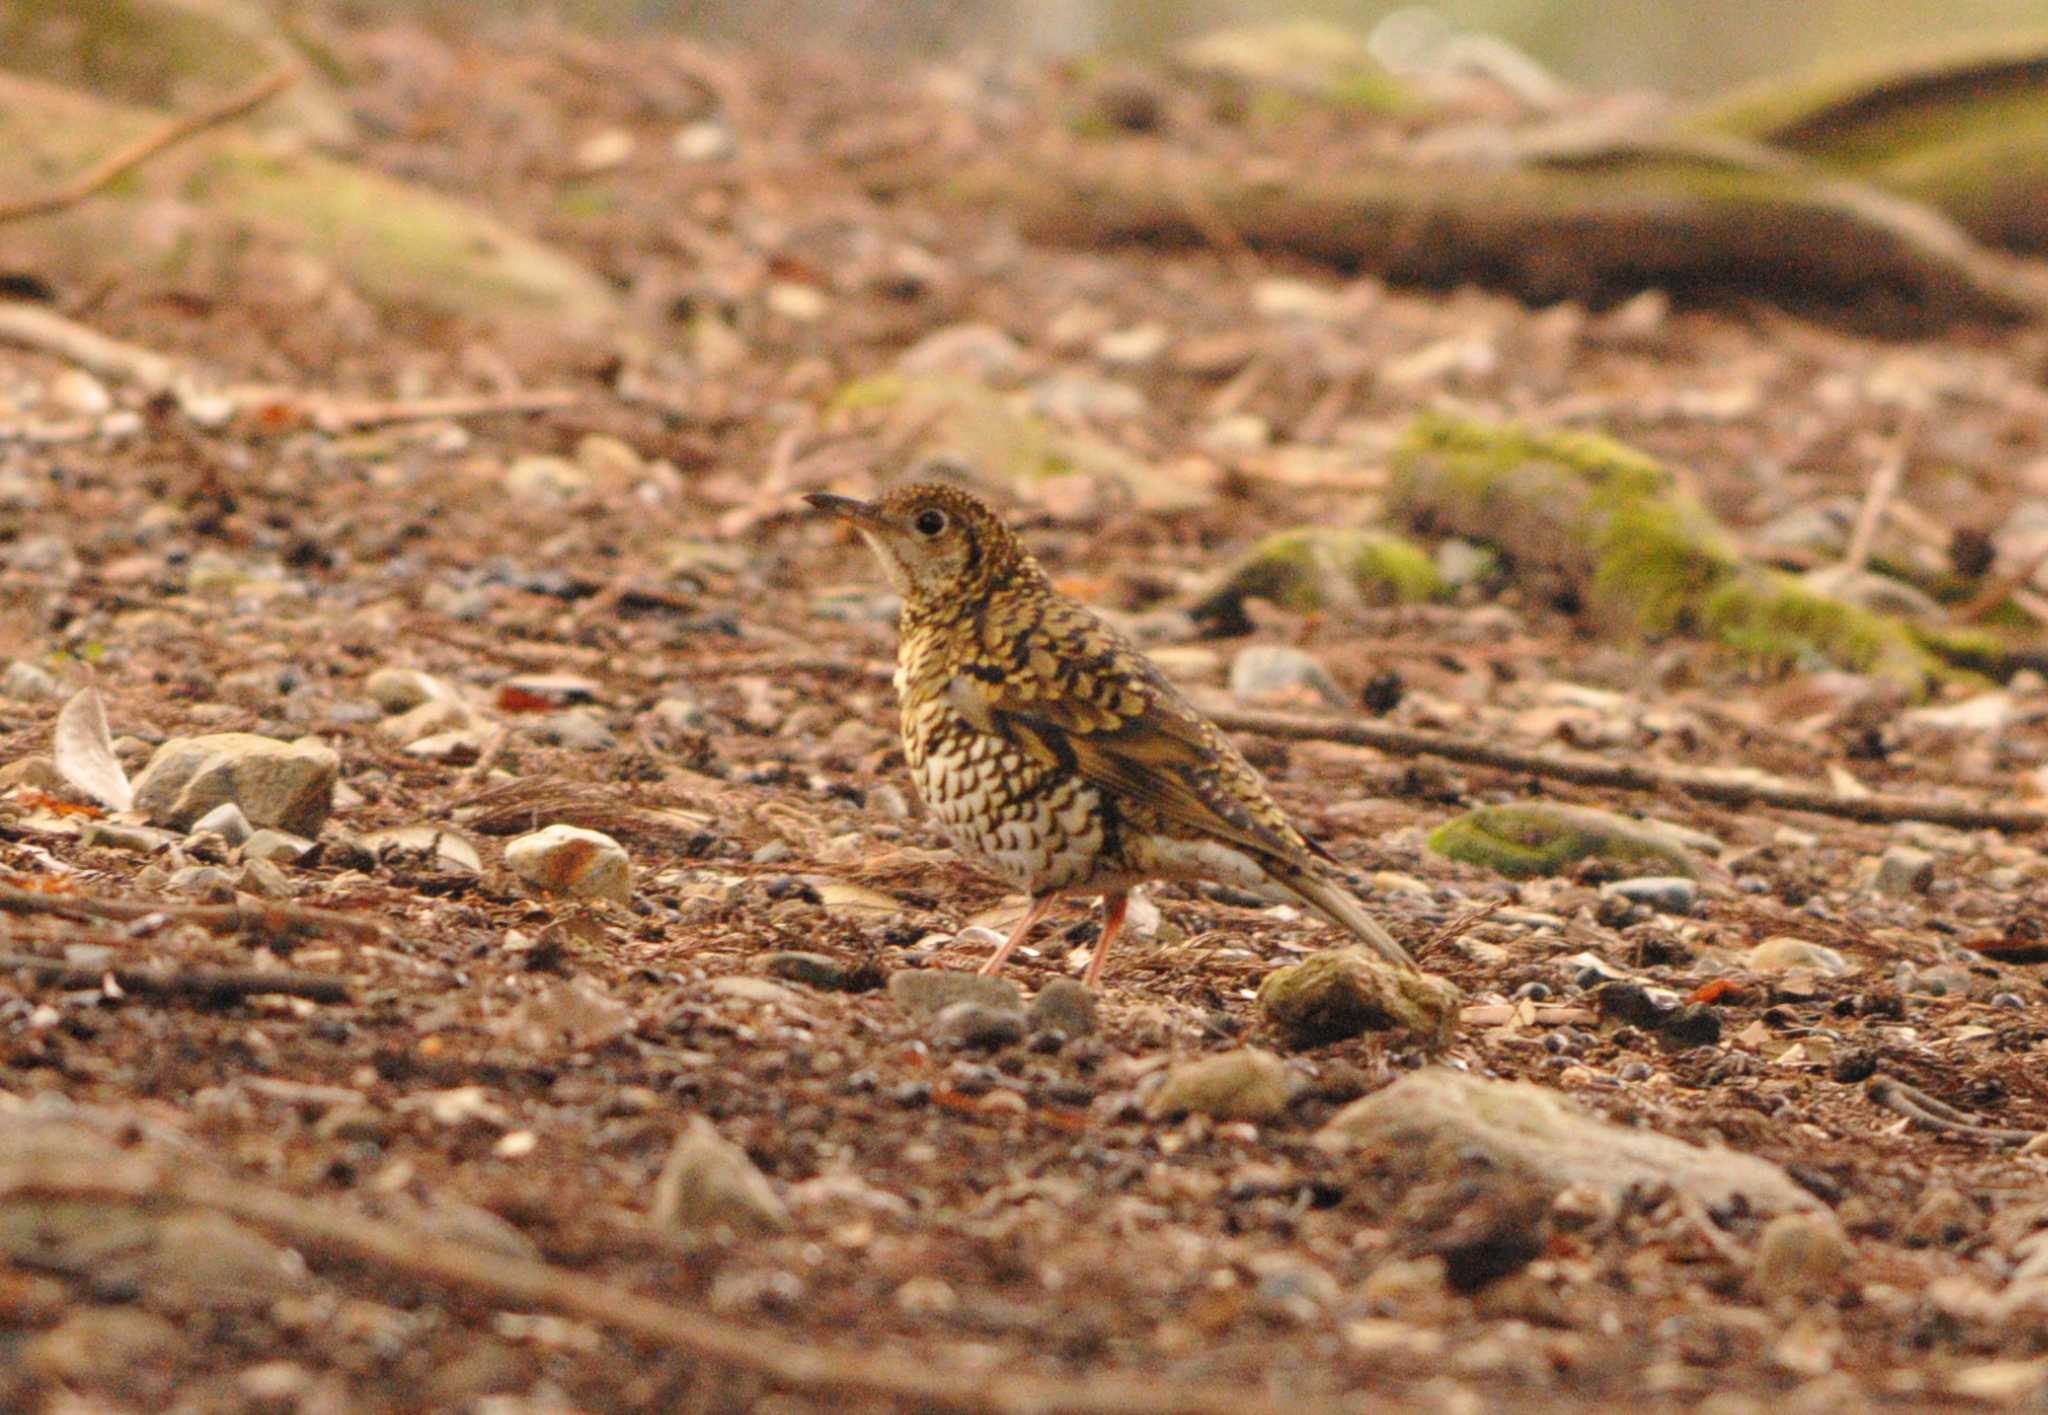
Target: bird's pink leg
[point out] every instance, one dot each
(1040, 907)
(1112, 921)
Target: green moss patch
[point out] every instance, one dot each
(1643, 555)
(1318, 567)
(1536, 838)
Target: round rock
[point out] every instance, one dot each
(572, 861)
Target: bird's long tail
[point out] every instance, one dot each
(1337, 904)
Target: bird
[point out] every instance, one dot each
(1052, 752)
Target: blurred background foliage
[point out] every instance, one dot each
(1688, 48)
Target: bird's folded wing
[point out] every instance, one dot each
(1109, 717)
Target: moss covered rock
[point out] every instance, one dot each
(1962, 127)
(400, 246)
(1248, 1084)
(1322, 567)
(998, 439)
(1344, 992)
(1534, 838)
(1640, 552)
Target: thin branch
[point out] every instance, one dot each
(32, 327)
(1591, 771)
(267, 919)
(1579, 770)
(208, 984)
(118, 164)
(915, 1379)
(335, 415)
(1925, 1111)
(1884, 483)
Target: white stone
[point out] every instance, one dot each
(569, 860)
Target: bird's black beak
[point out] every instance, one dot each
(861, 513)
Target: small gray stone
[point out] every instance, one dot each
(976, 1024)
(135, 839)
(822, 971)
(1270, 670)
(26, 683)
(1904, 870)
(675, 718)
(431, 718)
(576, 730)
(436, 845)
(1248, 1084)
(454, 748)
(227, 821)
(1782, 954)
(1066, 1005)
(36, 771)
(263, 879)
(924, 993)
(1800, 1256)
(1667, 894)
(759, 991)
(398, 690)
(204, 881)
(276, 846)
(812, 969)
(546, 479)
(1436, 1123)
(288, 785)
(709, 1181)
(1942, 980)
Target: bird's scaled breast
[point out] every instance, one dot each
(1033, 825)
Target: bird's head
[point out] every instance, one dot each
(942, 548)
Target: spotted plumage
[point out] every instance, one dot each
(1052, 751)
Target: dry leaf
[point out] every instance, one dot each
(84, 752)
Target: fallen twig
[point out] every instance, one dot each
(1884, 483)
(914, 1378)
(333, 415)
(1591, 771)
(118, 164)
(1460, 926)
(33, 327)
(263, 920)
(1924, 1110)
(209, 984)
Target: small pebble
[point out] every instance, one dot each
(1065, 1006)
(975, 1024)
(1904, 870)
(1667, 894)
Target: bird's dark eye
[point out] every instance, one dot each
(930, 523)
